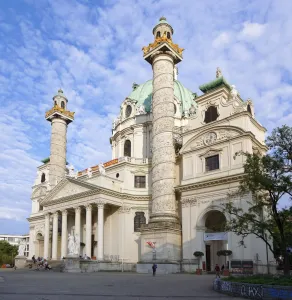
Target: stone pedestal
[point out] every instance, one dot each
(72, 265)
(20, 262)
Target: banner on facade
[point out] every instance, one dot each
(215, 236)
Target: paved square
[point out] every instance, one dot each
(34, 285)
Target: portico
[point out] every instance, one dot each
(74, 226)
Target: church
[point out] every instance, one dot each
(159, 199)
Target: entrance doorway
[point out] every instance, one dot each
(215, 238)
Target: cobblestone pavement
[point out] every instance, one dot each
(47, 285)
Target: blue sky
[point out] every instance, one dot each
(92, 49)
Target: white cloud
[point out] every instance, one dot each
(10, 213)
(252, 30)
(222, 40)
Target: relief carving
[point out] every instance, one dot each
(162, 187)
(159, 171)
(164, 204)
(161, 125)
(163, 155)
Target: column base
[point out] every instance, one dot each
(20, 261)
(71, 264)
(166, 236)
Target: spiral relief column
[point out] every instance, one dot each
(164, 228)
(163, 158)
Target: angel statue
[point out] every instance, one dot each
(71, 244)
(77, 245)
(21, 248)
(101, 169)
(89, 172)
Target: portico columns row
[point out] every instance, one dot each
(64, 238)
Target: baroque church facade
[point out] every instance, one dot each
(160, 197)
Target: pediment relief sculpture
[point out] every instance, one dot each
(212, 137)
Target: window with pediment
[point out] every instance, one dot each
(139, 220)
(127, 148)
(43, 178)
(128, 111)
(212, 163)
(211, 114)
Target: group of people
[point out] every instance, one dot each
(217, 270)
(41, 263)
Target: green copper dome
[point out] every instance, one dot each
(143, 95)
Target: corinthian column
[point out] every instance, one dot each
(163, 158)
(64, 233)
(77, 220)
(47, 236)
(55, 236)
(100, 228)
(88, 229)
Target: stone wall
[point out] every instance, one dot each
(253, 291)
(90, 266)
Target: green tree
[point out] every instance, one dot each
(7, 252)
(268, 178)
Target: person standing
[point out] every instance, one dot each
(154, 267)
(217, 271)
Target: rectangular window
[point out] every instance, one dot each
(212, 162)
(140, 181)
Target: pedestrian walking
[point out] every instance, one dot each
(222, 269)
(217, 271)
(154, 267)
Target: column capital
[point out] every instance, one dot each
(55, 214)
(64, 212)
(47, 215)
(88, 207)
(77, 209)
(100, 203)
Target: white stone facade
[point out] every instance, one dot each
(157, 172)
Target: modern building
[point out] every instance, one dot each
(173, 165)
(15, 240)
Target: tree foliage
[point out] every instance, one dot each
(7, 252)
(268, 178)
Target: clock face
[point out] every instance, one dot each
(210, 138)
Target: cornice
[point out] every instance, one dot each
(96, 191)
(208, 183)
(36, 218)
(219, 123)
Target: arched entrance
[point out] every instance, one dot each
(215, 238)
(39, 245)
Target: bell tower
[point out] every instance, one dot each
(59, 117)
(164, 229)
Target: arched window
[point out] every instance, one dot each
(127, 148)
(43, 178)
(211, 114)
(63, 104)
(139, 220)
(128, 111)
(158, 34)
(55, 103)
(249, 109)
(168, 35)
(174, 106)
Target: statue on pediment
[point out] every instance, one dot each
(101, 169)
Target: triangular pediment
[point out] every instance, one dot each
(66, 188)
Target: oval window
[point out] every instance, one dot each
(128, 111)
